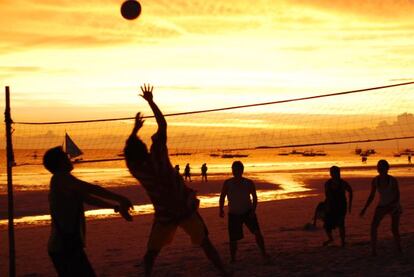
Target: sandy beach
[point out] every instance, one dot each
(116, 247)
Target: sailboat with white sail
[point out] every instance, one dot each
(72, 149)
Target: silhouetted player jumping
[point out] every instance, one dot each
(174, 203)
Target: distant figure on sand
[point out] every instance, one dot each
(389, 204)
(364, 159)
(409, 158)
(204, 172)
(187, 172)
(177, 169)
(241, 209)
(174, 203)
(336, 204)
(67, 195)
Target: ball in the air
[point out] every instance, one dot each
(130, 9)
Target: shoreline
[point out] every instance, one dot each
(116, 247)
(31, 207)
(27, 216)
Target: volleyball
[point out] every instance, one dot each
(130, 9)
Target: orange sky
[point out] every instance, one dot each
(59, 56)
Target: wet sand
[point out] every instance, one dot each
(116, 247)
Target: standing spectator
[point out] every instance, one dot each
(187, 172)
(204, 172)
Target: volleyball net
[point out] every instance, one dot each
(365, 115)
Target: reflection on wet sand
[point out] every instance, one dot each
(288, 187)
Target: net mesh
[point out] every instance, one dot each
(371, 115)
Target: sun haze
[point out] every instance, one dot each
(57, 55)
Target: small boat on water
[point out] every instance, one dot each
(284, 153)
(368, 152)
(308, 153)
(407, 152)
(230, 156)
(72, 149)
(181, 154)
(311, 153)
(214, 155)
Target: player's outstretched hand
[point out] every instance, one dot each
(139, 122)
(124, 212)
(125, 206)
(147, 92)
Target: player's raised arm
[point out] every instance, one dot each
(162, 123)
(139, 122)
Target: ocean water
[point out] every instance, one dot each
(114, 173)
(260, 165)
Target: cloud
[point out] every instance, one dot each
(388, 10)
(402, 80)
(31, 24)
(18, 69)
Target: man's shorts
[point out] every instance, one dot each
(236, 222)
(162, 234)
(382, 211)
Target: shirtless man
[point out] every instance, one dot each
(174, 203)
(389, 204)
(67, 196)
(336, 205)
(241, 209)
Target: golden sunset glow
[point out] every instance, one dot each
(60, 55)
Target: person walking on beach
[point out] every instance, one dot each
(409, 158)
(241, 209)
(187, 172)
(67, 195)
(204, 172)
(336, 204)
(177, 169)
(174, 203)
(389, 204)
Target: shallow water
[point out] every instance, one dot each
(265, 166)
